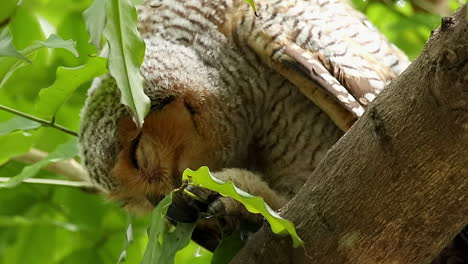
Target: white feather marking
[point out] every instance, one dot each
(343, 99)
(369, 96)
(358, 111)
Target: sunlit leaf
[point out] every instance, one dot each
(95, 19)
(66, 82)
(25, 27)
(6, 46)
(72, 27)
(164, 238)
(126, 52)
(53, 41)
(65, 151)
(254, 204)
(17, 123)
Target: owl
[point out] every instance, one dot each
(258, 97)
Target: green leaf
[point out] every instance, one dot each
(8, 8)
(55, 41)
(14, 144)
(164, 238)
(6, 46)
(126, 52)
(128, 241)
(17, 65)
(252, 4)
(95, 19)
(65, 151)
(228, 249)
(254, 204)
(67, 81)
(17, 123)
(193, 254)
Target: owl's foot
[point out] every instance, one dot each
(221, 216)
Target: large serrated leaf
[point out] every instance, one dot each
(126, 53)
(95, 19)
(66, 82)
(254, 204)
(164, 238)
(65, 151)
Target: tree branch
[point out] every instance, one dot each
(70, 169)
(393, 189)
(54, 182)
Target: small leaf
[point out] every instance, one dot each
(17, 123)
(95, 19)
(65, 151)
(55, 41)
(254, 204)
(126, 52)
(6, 47)
(165, 239)
(66, 82)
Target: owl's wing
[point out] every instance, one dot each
(331, 52)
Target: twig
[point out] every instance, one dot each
(39, 120)
(71, 169)
(55, 182)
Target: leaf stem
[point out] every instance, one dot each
(54, 182)
(39, 120)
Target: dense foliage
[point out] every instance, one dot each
(49, 67)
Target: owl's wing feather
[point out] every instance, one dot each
(327, 49)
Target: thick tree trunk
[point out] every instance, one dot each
(394, 189)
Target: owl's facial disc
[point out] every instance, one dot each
(152, 159)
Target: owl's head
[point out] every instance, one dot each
(139, 166)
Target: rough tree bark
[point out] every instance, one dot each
(394, 189)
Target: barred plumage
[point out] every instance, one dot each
(227, 91)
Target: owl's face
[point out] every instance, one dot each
(177, 136)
